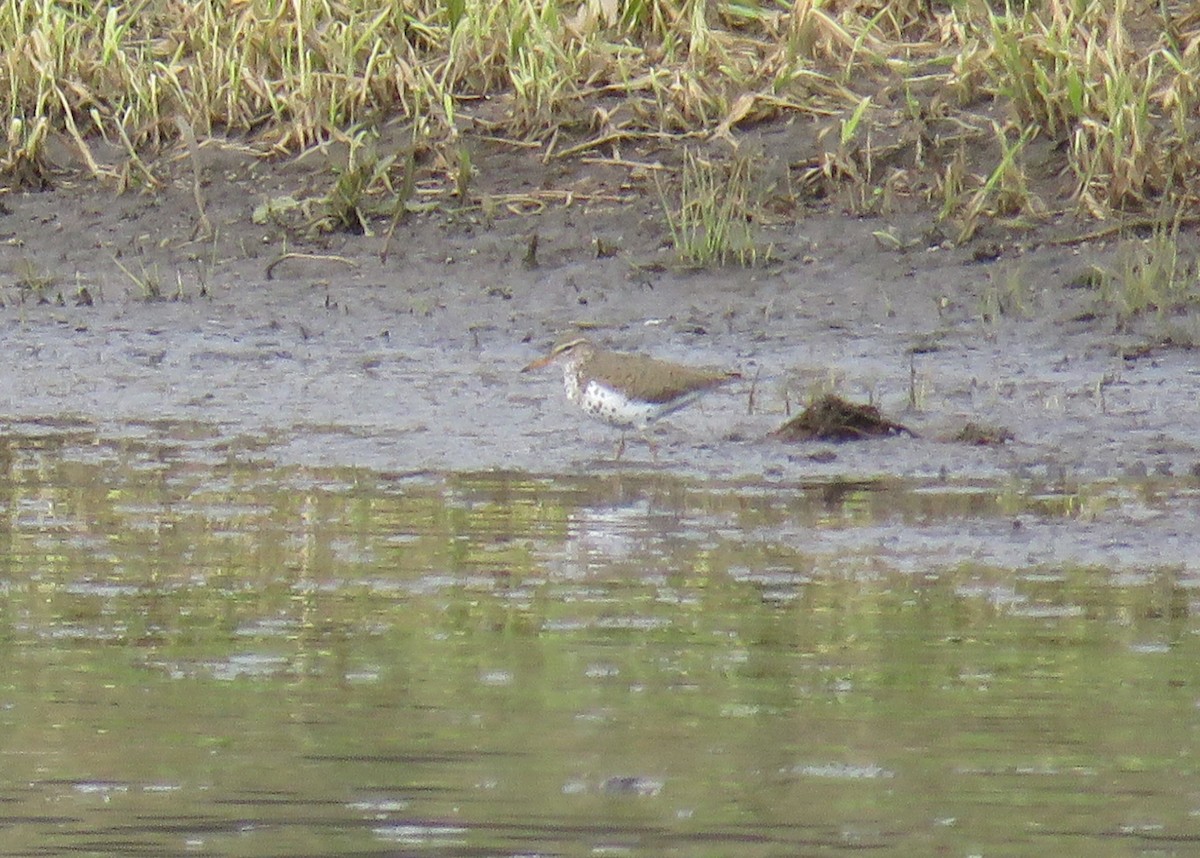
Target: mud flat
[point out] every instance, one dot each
(115, 318)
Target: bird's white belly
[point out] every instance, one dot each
(615, 408)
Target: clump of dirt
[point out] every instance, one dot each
(832, 418)
(982, 435)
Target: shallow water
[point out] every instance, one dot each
(206, 654)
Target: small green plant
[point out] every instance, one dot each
(23, 159)
(463, 174)
(849, 164)
(711, 220)
(347, 205)
(1153, 278)
(148, 281)
(32, 282)
(1011, 296)
(1006, 189)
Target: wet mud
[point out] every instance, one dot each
(403, 353)
(282, 508)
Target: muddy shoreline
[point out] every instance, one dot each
(411, 363)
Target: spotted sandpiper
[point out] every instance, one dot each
(629, 391)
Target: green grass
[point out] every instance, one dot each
(1155, 281)
(938, 102)
(711, 218)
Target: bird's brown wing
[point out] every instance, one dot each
(654, 380)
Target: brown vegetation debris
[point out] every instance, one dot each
(832, 418)
(982, 435)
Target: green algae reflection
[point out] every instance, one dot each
(204, 654)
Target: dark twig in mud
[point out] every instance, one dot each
(1126, 225)
(318, 257)
(203, 227)
(408, 187)
(753, 391)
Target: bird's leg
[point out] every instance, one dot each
(620, 447)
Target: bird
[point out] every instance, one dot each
(627, 390)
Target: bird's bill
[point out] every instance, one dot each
(538, 364)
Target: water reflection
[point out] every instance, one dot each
(206, 655)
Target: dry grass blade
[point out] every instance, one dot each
(1115, 84)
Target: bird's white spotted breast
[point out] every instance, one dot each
(603, 404)
(571, 383)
